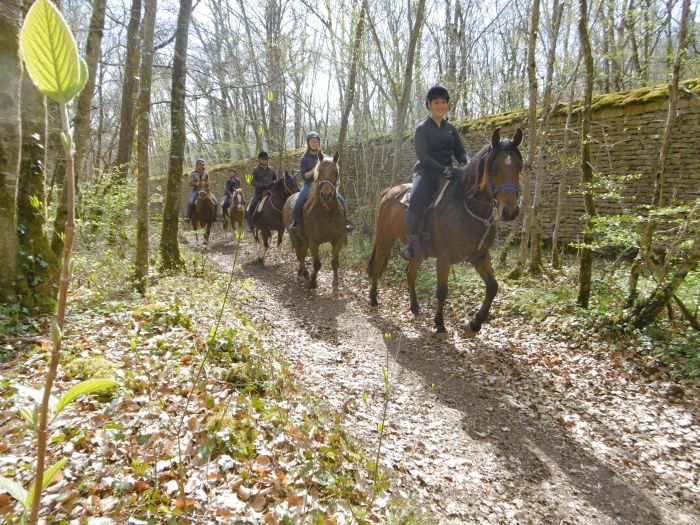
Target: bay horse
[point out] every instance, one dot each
(269, 218)
(323, 220)
(203, 214)
(459, 226)
(236, 211)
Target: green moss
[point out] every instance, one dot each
(94, 367)
(159, 315)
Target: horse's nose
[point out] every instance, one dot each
(508, 214)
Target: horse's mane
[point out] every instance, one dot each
(474, 175)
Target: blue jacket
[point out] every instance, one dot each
(308, 162)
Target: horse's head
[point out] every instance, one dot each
(203, 193)
(238, 200)
(498, 170)
(290, 183)
(326, 176)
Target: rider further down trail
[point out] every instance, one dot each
(510, 427)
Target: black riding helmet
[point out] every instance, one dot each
(437, 91)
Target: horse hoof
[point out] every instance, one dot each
(441, 336)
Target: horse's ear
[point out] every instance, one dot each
(286, 173)
(496, 138)
(336, 156)
(320, 156)
(518, 137)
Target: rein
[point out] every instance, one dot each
(485, 177)
(287, 192)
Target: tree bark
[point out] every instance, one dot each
(10, 73)
(645, 312)
(129, 90)
(144, 118)
(586, 262)
(536, 235)
(404, 99)
(532, 138)
(169, 247)
(352, 77)
(81, 121)
(646, 241)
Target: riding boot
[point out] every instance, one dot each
(414, 225)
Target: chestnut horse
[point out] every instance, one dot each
(323, 220)
(236, 211)
(270, 216)
(203, 214)
(459, 227)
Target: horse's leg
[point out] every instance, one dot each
(411, 274)
(264, 245)
(206, 234)
(377, 261)
(335, 261)
(485, 270)
(313, 283)
(280, 233)
(443, 273)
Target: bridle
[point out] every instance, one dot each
(484, 175)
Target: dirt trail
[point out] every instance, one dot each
(493, 430)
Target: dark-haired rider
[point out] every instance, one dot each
(306, 169)
(263, 179)
(436, 142)
(232, 184)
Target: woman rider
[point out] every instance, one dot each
(436, 142)
(306, 168)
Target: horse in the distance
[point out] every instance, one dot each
(459, 226)
(203, 214)
(236, 211)
(323, 220)
(269, 218)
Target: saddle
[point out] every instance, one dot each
(405, 196)
(262, 201)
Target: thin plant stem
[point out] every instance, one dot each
(57, 328)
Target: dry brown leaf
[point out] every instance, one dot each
(259, 502)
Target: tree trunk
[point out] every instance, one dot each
(9, 146)
(404, 99)
(130, 86)
(38, 265)
(645, 312)
(646, 241)
(561, 192)
(81, 121)
(532, 138)
(536, 235)
(586, 263)
(169, 247)
(352, 77)
(144, 118)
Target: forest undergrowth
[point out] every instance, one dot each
(207, 423)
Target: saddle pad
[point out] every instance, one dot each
(406, 197)
(260, 205)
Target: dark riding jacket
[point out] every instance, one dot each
(262, 177)
(232, 185)
(308, 162)
(435, 146)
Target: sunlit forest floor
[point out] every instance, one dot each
(274, 414)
